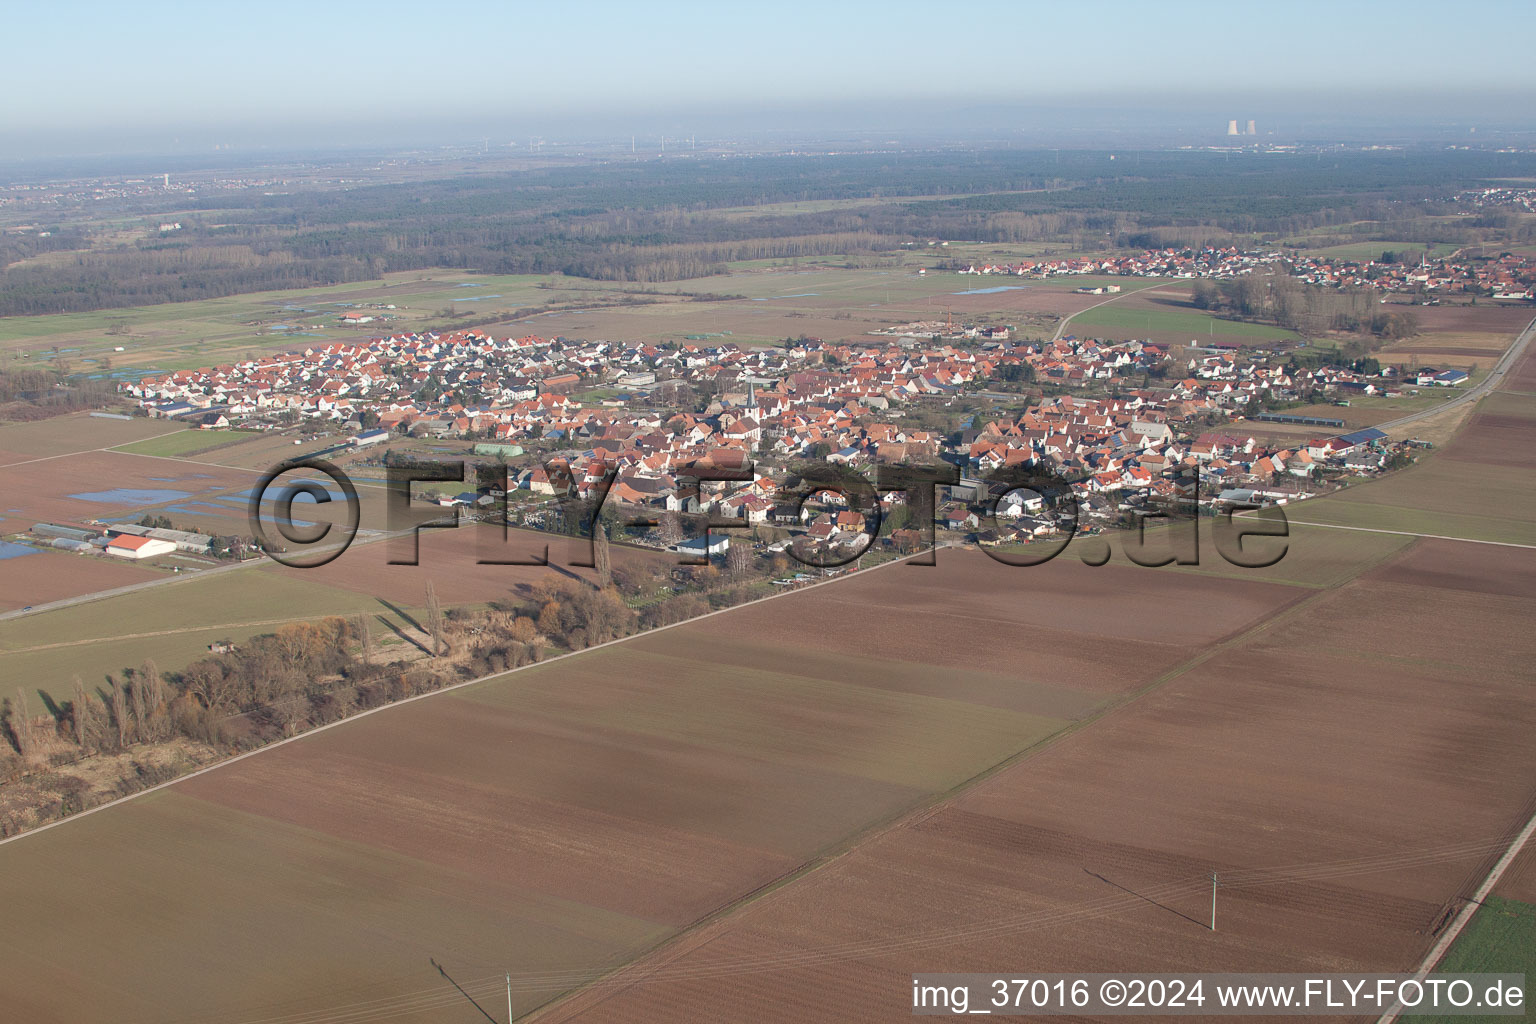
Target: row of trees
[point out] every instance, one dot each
(34, 393)
(1294, 305)
(138, 706)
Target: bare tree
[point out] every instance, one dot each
(738, 560)
(157, 721)
(80, 715)
(600, 555)
(120, 711)
(21, 724)
(138, 692)
(365, 637)
(671, 528)
(294, 641)
(435, 620)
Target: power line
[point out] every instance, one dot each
(559, 980)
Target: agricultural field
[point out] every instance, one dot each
(1347, 766)
(195, 334)
(1500, 940)
(543, 819)
(187, 442)
(45, 575)
(1315, 558)
(202, 333)
(1407, 252)
(1480, 486)
(63, 435)
(115, 486)
(1462, 336)
(759, 302)
(172, 622)
(450, 559)
(175, 620)
(769, 303)
(1165, 316)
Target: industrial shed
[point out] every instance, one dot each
(126, 546)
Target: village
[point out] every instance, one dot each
(1505, 276)
(1123, 425)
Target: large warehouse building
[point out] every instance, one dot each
(139, 547)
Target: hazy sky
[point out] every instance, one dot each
(120, 67)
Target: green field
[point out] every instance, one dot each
(1312, 558)
(1316, 558)
(1407, 252)
(1501, 939)
(1197, 326)
(172, 623)
(186, 442)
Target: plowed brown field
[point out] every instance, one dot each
(563, 819)
(1348, 770)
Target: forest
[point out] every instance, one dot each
(674, 219)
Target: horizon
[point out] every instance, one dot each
(149, 80)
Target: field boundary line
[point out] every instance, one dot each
(1442, 946)
(62, 455)
(841, 577)
(1408, 533)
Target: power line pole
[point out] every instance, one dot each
(509, 997)
(1213, 901)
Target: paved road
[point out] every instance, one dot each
(1477, 391)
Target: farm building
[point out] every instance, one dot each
(83, 534)
(171, 410)
(368, 437)
(183, 540)
(712, 544)
(126, 546)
